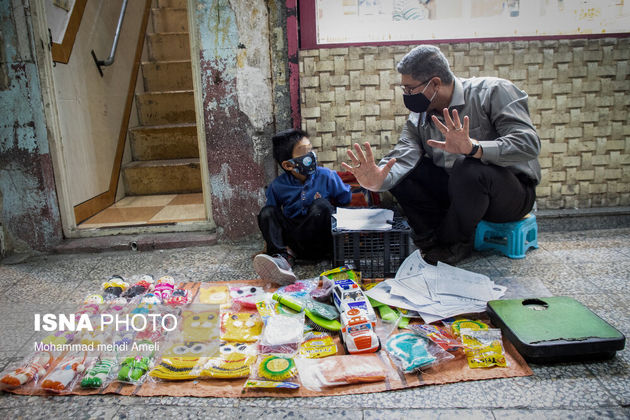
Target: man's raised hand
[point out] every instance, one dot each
(367, 173)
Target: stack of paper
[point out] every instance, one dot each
(436, 292)
(364, 219)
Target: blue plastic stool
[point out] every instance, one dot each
(513, 239)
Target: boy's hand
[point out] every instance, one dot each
(365, 170)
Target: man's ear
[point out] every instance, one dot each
(287, 166)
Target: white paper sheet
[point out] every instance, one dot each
(364, 219)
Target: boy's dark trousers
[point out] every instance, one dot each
(308, 236)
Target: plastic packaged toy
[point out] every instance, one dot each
(484, 348)
(215, 295)
(273, 371)
(241, 327)
(299, 288)
(438, 335)
(317, 344)
(233, 362)
(113, 288)
(99, 375)
(247, 296)
(164, 287)
(410, 351)
(200, 323)
(32, 368)
(282, 334)
(181, 359)
(67, 371)
(323, 290)
(321, 315)
(143, 285)
(134, 368)
(458, 324)
(344, 272)
(180, 297)
(316, 374)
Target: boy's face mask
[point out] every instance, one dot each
(305, 164)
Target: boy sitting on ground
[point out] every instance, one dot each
(295, 222)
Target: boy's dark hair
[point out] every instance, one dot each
(284, 142)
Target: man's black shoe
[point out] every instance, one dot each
(426, 243)
(449, 254)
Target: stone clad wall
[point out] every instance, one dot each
(579, 93)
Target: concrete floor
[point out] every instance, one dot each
(592, 266)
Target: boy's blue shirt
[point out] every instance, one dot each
(287, 192)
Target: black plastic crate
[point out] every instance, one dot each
(373, 252)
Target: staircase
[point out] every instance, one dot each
(165, 154)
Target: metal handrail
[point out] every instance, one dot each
(110, 59)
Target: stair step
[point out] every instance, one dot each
(168, 46)
(175, 176)
(164, 142)
(155, 108)
(170, 20)
(172, 3)
(167, 75)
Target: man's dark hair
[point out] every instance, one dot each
(284, 142)
(426, 61)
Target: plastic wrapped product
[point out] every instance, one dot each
(233, 362)
(114, 288)
(200, 323)
(246, 296)
(457, 324)
(438, 335)
(31, 369)
(299, 289)
(242, 327)
(99, 375)
(181, 359)
(273, 371)
(164, 288)
(141, 285)
(67, 372)
(282, 334)
(411, 352)
(133, 368)
(215, 295)
(317, 344)
(316, 374)
(484, 348)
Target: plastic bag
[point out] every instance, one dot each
(457, 324)
(246, 296)
(344, 272)
(273, 371)
(323, 290)
(438, 335)
(317, 344)
(99, 375)
(30, 370)
(134, 367)
(340, 370)
(180, 359)
(411, 352)
(484, 348)
(233, 362)
(282, 334)
(141, 285)
(242, 327)
(299, 288)
(67, 372)
(215, 295)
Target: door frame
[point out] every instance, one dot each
(44, 59)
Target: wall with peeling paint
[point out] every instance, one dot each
(239, 108)
(29, 214)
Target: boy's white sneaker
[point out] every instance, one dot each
(276, 269)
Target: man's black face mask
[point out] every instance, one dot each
(418, 102)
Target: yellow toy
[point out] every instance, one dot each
(242, 327)
(200, 326)
(215, 295)
(234, 362)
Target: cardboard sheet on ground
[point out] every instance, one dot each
(455, 370)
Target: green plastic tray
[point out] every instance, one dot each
(555, 329)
